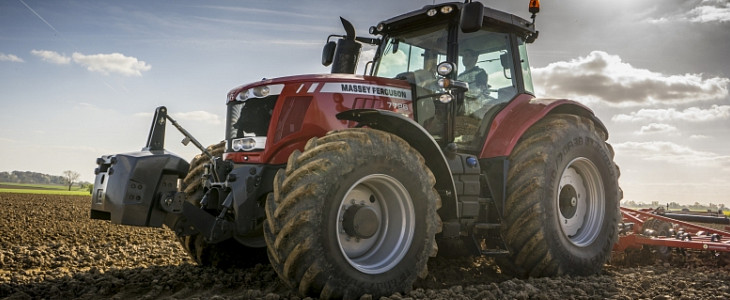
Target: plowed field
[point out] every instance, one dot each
(50, 249)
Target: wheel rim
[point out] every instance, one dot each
(581, 202)
(376, 222)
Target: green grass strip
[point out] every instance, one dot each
(46, 192)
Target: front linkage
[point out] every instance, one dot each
(142, 189)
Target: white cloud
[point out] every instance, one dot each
(709, 14)
(657, 128)
(699, 137)
(112, 63)
(692, 114)
(672, 153)
(199, 116)
(52, 56)
(604, 77)
(10, 58)
(195, 116)
(707, 11)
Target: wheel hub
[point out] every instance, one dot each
(581, 202)
(568, 201)
(361, 221)
(571, 201)
(376, 224)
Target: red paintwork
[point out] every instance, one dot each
(320, 115)
(699, 239)
(521, 113)
(506, 128)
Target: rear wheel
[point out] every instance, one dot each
(354, 213)
(562, 207)
(228, 253)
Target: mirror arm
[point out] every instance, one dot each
(459, 86)
(371, 41)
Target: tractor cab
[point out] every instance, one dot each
(464, 62)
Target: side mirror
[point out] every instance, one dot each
(472, 16)
(506, 61)
(328, 53)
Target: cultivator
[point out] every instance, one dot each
(641, 228)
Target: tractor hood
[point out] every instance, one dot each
(266, 119)
(356, 84)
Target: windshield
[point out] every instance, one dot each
(411, 51)
(485, 61)
(413, 56)
(486, 64)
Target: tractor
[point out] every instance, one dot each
(347, 184)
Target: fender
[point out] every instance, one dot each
(419, 139)
(520, 114)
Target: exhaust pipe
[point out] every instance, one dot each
(344, 54)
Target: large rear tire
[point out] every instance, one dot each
(562, 209)
(225, 254)
(355, 213)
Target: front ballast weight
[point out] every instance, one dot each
(141, 188)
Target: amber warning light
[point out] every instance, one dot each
(534, 6)
(534, 9)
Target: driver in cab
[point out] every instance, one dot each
(476, 77)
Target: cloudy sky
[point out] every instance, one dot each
(79, 79)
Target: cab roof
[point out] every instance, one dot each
(495, 19)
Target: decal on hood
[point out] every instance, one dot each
(366, 89)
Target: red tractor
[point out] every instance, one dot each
(348, 183)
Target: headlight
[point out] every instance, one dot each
(431, 12)
(446, 9)
(446, 98)
(260, 92)
(445, 68)
(249, 143)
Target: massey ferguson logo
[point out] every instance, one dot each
(366, 89)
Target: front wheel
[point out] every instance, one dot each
(562, 208)
(355, 213)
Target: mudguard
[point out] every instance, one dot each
(520, 114)
(129, 187)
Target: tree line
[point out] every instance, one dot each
(676, 206)
(30, 177)
(69, 177)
